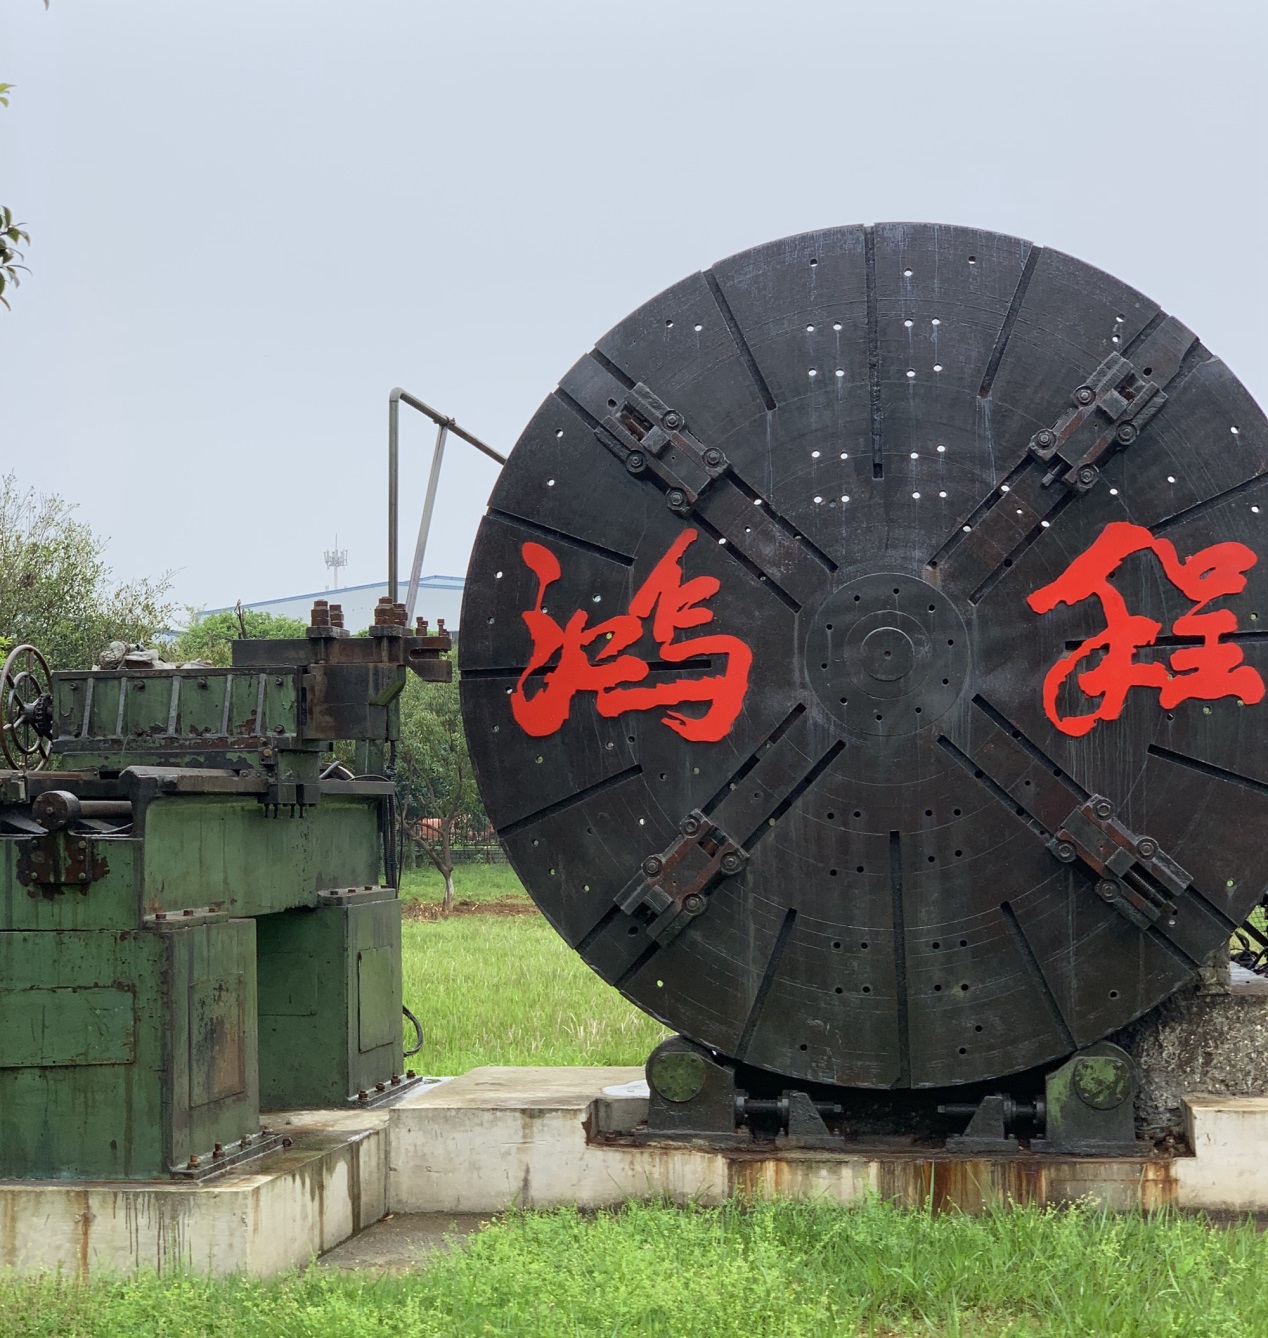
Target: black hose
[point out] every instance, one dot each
(418, 1030)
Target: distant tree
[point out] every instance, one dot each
(11, 233)
(208, 638)
(434, 779)
(55, 587)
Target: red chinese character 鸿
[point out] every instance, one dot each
(673, 605)
(1212, 668)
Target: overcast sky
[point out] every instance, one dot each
(251, 218)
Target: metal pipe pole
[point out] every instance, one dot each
(393, 477)
(438, 418)
(393, 483)
(424, 525)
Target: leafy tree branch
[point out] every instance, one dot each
(56, 590)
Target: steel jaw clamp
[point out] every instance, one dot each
(1133, 874)
(671, 889)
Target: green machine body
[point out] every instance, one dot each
(199, 916)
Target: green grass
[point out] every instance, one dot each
(503, 989)
(472, 882)
(782, 1268)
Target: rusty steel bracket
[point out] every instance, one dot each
(1109, 409)
(650, 437)
(52, 864)
(1117, 401)
(671, 889)
(1134, 874)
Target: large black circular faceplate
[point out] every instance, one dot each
(862, 656)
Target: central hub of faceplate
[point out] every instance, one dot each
(887, 654)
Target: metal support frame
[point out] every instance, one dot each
(444, 426)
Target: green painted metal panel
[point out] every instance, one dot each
(288, 985)
(42, 1027)
(212, 849)
(378, 999)
(112, 902)
(102, 1120)
(376, 928)
(126, 1051)
(212, 1094)
(319, 1058)
(156, 708)
(217, 1039)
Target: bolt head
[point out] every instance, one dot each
(652, 865)
(1065, 851)
(713, 456)
(1084, 395)
(1146, 847)
(1107, 889)
(1088, 474)
(730, 862)
(693, 903)
(689, 826)
(1045, 438)
(635, 462)
(677, 497)
(672, 420)
(1103, 808)
(1128, 432)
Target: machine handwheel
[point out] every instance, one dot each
(26, 706)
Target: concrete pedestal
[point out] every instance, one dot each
(502, 1137)
(272, 1215)
(499, 1137)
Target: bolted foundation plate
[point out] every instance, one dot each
(385, 1093)
(218, 1161)
(885, 550)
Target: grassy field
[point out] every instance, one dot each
(506, 989)
(782, 1268)
(477, 883)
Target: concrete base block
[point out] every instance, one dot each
(498, 1137)
(271, 1215)
(1228, 1171)
(501, 1137)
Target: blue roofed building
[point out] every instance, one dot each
(438, 597)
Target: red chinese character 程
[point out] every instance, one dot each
(1210, 669)
(616, 678)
